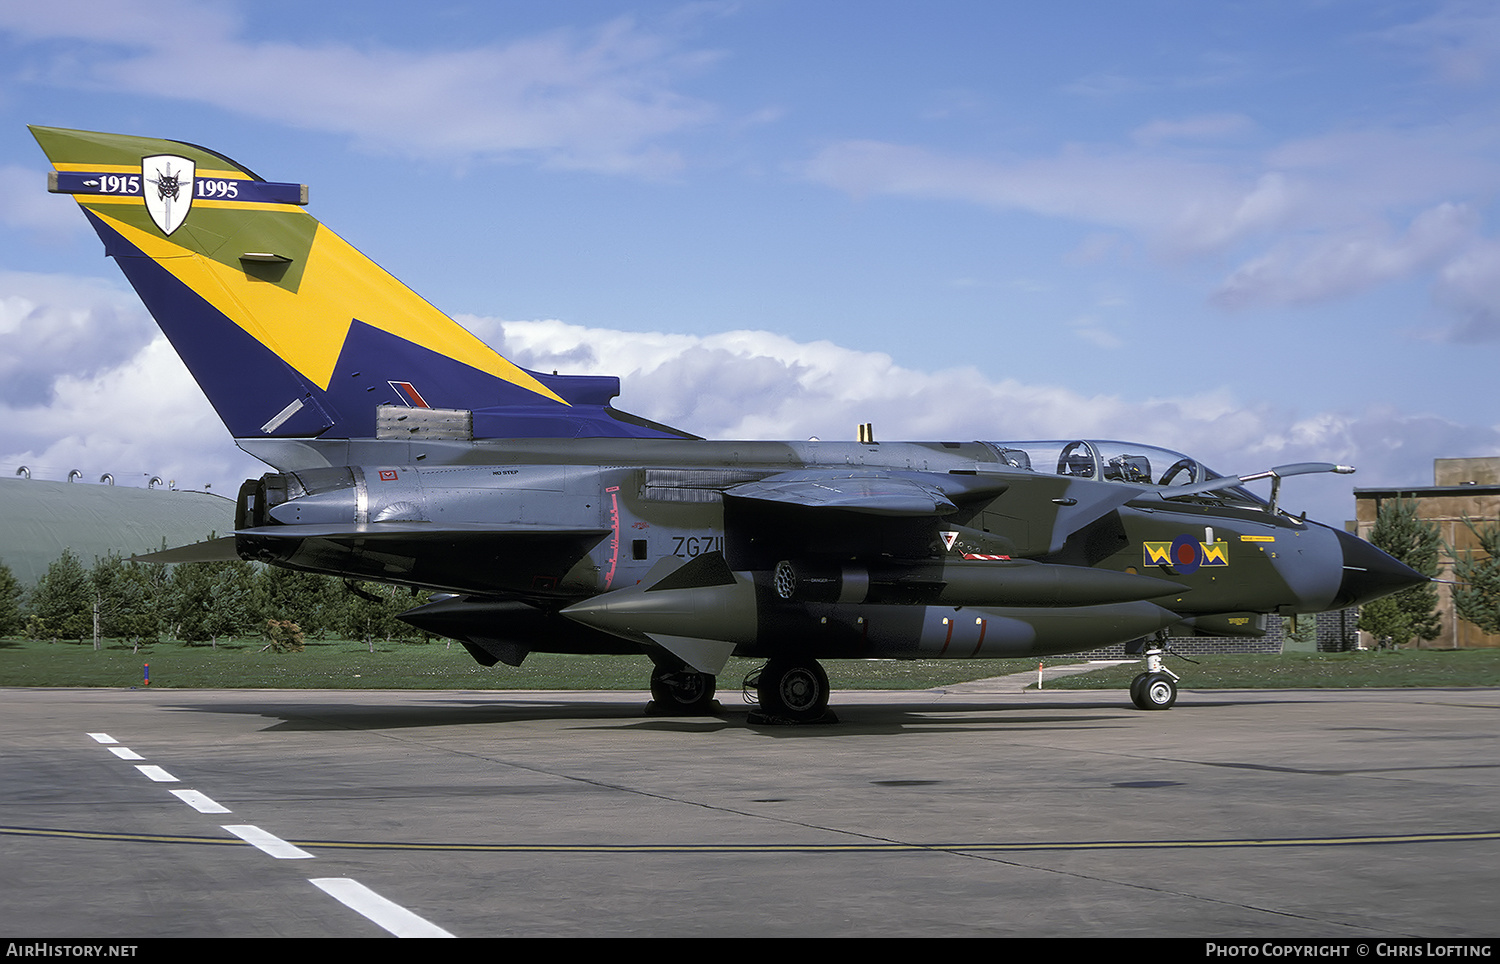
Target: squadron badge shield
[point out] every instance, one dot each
(168, 186)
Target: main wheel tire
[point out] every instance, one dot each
(1158, 692)
(793, 690)
(685, 691)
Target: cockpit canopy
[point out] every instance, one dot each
(1107, 461)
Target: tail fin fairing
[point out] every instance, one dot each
(290, 331)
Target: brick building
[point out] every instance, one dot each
(1462, 489)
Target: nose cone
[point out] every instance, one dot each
(1370, 573)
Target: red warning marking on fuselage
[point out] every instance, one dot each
(614, 538)
(410, 394)
(979, 643)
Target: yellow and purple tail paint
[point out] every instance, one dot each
(290, 331)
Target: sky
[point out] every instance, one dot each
(1259, 232)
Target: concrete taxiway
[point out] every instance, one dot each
(970, 811)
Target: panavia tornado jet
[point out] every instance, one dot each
(409, 452)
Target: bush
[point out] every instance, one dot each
(285, 635)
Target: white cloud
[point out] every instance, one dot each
(596, 100)
(754, 384)
(1181, 206)
(1300, 270)
(57, 325)
(175, 22)
(1201, 127)
(1461, 40)
(141, 417)
(1469, 285)
(1098, 335)
(1322, 218)
(1320, 215)
(1354, 174)
(144, 415)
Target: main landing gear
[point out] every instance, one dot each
(1156, 688)
(682, 691)
(791, 690)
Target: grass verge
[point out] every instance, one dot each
(1405, 667)
(346, 664)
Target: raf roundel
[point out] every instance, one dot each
(1185, 555)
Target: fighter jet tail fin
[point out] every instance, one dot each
(290, 331)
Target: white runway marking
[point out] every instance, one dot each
(200, 802)
(156, 773)
(268, 843)
(351, 893)
(388, 914)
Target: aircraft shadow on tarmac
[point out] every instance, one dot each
(854, 721)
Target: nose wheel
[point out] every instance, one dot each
(1153, 691)
(1156, 688)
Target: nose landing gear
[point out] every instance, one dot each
(1156, 688)
(1154, 691)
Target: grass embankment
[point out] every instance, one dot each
(345, 664)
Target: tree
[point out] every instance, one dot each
(369, 612)
(122, 601)
(1411, 613)
(305, 598)
(233, 601)
(10, 602)
(62, 603)
(1301, 630)
(207, 600)
(1477, 595)
(285, 636)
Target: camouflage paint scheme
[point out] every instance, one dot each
(409, 452)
